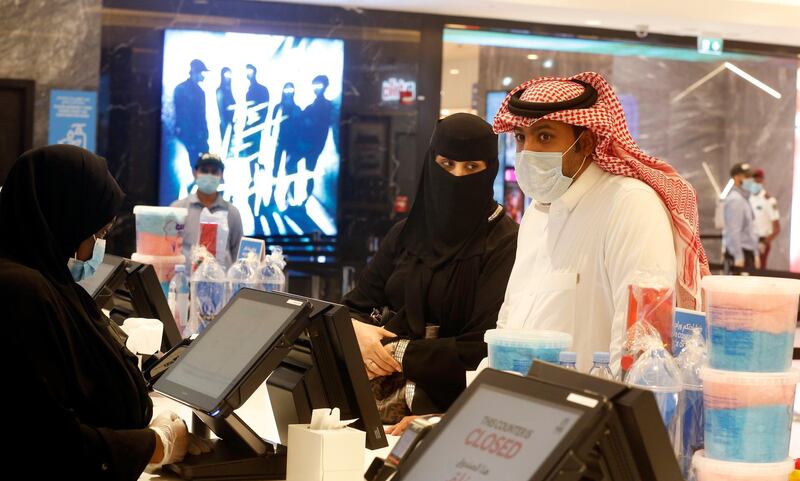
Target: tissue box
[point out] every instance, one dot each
(329, 455)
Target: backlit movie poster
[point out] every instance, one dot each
(268, 105)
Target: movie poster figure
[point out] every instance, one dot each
(225, 103)
(257, 106)
(317, 120)
(286, 117)
(191, 127)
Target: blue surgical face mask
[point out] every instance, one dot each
(747, 185)
(539, 174)
(755, 187)
(208, 183)
(81, 270)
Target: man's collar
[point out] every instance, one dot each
(193, 199)
(580, 187)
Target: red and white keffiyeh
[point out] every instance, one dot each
(617, 153)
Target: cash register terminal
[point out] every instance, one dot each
(221, 369)
(308, 346)
(514, 428)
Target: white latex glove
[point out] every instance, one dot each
(199, 446)
(174, 436)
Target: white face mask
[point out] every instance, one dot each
(539, 174)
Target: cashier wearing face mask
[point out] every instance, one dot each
(77, 406)
(602, 211)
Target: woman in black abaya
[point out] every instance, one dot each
(436, 284)
(77, 407)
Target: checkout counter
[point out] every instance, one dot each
(604, 426)
(257, 412)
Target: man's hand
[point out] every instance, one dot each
(758, 262)
(377, 359)
(399, 428)
(739, 263)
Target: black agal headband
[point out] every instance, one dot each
(517, 106)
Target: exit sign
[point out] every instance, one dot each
(709, 45)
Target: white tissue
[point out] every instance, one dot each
(327, 419)
(144, 335)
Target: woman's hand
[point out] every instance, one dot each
(377, 359)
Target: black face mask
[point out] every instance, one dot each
(455, 206)
(449, 217)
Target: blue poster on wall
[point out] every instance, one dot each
(73, 118)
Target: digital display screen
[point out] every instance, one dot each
(507, 147)
(93, 283)
(269, 106)
(497, 434)
(229, 346)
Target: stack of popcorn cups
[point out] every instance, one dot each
(159, 240)
(749, 385)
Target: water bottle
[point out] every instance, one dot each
(178, 298)
(691, 423)
(208, 289)
(271, 272)
(242, 274)
(657, 371)
(600, 367)
(567, 359)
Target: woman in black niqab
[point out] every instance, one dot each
(439, 277)
(84, 404)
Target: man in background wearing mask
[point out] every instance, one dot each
(739, 236)
(767, 216)
(603, 211)
(208, 175)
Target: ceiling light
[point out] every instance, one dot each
(454, 71)
(548, 63)
(507, 81)
(533, 56)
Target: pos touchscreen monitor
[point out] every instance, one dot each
(131, 289)
(511, 428)
(324, 369)
(236, 353)
(635, 445)
(110, 274)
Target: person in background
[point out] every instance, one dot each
(739, 236)
(257, 98)
(288, 129)
(318, 118)
(208, 172)
(767, 216)
(422, 305)
(191, 127)
(80, 390)
(603, 211)
(225, 102)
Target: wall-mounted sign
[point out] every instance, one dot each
(73, 118)
(710, 45)
(399, 90)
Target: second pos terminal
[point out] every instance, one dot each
(250, 339)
